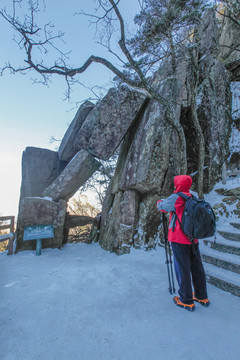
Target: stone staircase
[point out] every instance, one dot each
(221, 257)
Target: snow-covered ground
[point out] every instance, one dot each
(83, 303)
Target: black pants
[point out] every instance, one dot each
(189, 270)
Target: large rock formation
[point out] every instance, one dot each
(35, 210)
(149, 155)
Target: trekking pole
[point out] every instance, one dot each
(171, 267)
(166, 252)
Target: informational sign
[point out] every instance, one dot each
(38, 232)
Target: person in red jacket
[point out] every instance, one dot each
(187, 262)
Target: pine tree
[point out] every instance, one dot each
(164, 25)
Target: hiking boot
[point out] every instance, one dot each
(178, 302)
(203, 302)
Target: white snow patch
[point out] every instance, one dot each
(126, 226)
(234, 143)
(38, 197)
(202, 58)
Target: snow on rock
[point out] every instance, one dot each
(214, 198)
(235, 88)
(234, 143)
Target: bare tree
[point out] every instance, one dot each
(33, 38)
(100, 180)
(80, 207)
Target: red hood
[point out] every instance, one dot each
(182, 183)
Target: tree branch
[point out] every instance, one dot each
(28, 31)
(122, 43)
(230, 13)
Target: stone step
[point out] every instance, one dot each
(221, 240)
(223, 279)
(231, 266)
(231, 258)
(222, 247)
(236, 225)
(229, 235)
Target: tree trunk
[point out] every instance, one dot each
(194, 81)
(172, 54)
(201, 150)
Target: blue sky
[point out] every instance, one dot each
(31, 113)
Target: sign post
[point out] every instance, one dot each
(38, 232)
(39, 247)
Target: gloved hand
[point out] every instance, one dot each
(158, 202)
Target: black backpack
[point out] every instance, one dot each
(198, 219)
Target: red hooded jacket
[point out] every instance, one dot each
(174, 203)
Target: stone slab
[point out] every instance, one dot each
(75, 174)
(40, 167)
(67, 150)
(106, 125)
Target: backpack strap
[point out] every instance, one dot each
(183, 196)
(186, 197)
(176, 219)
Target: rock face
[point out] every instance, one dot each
(119, 226)
(148, 158)
(75, 174)
(40, 211)
(214, 102)
(66, 150)
(230, 47)
(106, 125)
(40, 167)
(149, 223)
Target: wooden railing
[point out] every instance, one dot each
(10, 236)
